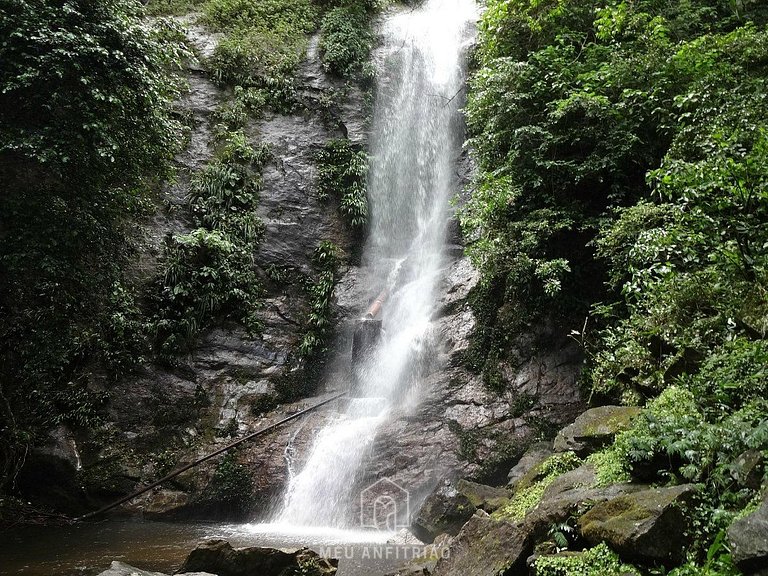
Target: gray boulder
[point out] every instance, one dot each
(748, 469)
(649, 525)
(122, 569)
(444, 512)
(486, 547)
(748, 538)
(218, 557)
(595, 428)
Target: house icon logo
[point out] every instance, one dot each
(385, 505)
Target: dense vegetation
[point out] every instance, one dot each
(86, 130)
(623, 178)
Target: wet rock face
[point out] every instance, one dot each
(218, 557)
(460, 428)
(748, 538)
(648, 526)
(595, 428)
(568, 495)
(225, 387)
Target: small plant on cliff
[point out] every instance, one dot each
(263, 43)
(320, 288)
(231, 486)
(342, 172)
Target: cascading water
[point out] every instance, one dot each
(416, 138)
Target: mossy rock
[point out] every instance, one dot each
(648, 526)
(748, 539)
(219, 557)
(595, 428)
(484, 497)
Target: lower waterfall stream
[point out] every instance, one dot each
(416, 137)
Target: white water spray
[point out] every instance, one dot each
(415, 140)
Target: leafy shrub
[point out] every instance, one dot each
(297, 16)
(342, 171)
(231, 486)
(86, 90)
(172, 7)
(528, 497)
(246, 103)
(320, 288)
(642, 96)
(597, 561)
(206, 275)
(264, 42)
(345, 42)
(209, 272)
(622, 158)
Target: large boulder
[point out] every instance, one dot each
(444, 512)
(595, 428)
(122, 569)
(748, 538)
(218, 557)
(648, 525)
(483, 497)
(486, 547)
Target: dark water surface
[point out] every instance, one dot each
(89, 548)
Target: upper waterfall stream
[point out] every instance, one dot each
(416, 138)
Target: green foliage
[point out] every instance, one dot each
(172, 7)
(611, 466)
(718, 562)
(597, 561)
(264, 42)
(319, 322)
(622, 158)
(345, 42)
(86, 90)
(698, 270)
(576, 113)
(206, 275)
(528, 497)
(342, 171)
(231, 486)
(682, 437)
(209, 272)
(245, 103)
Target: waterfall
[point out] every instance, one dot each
(416, 138)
